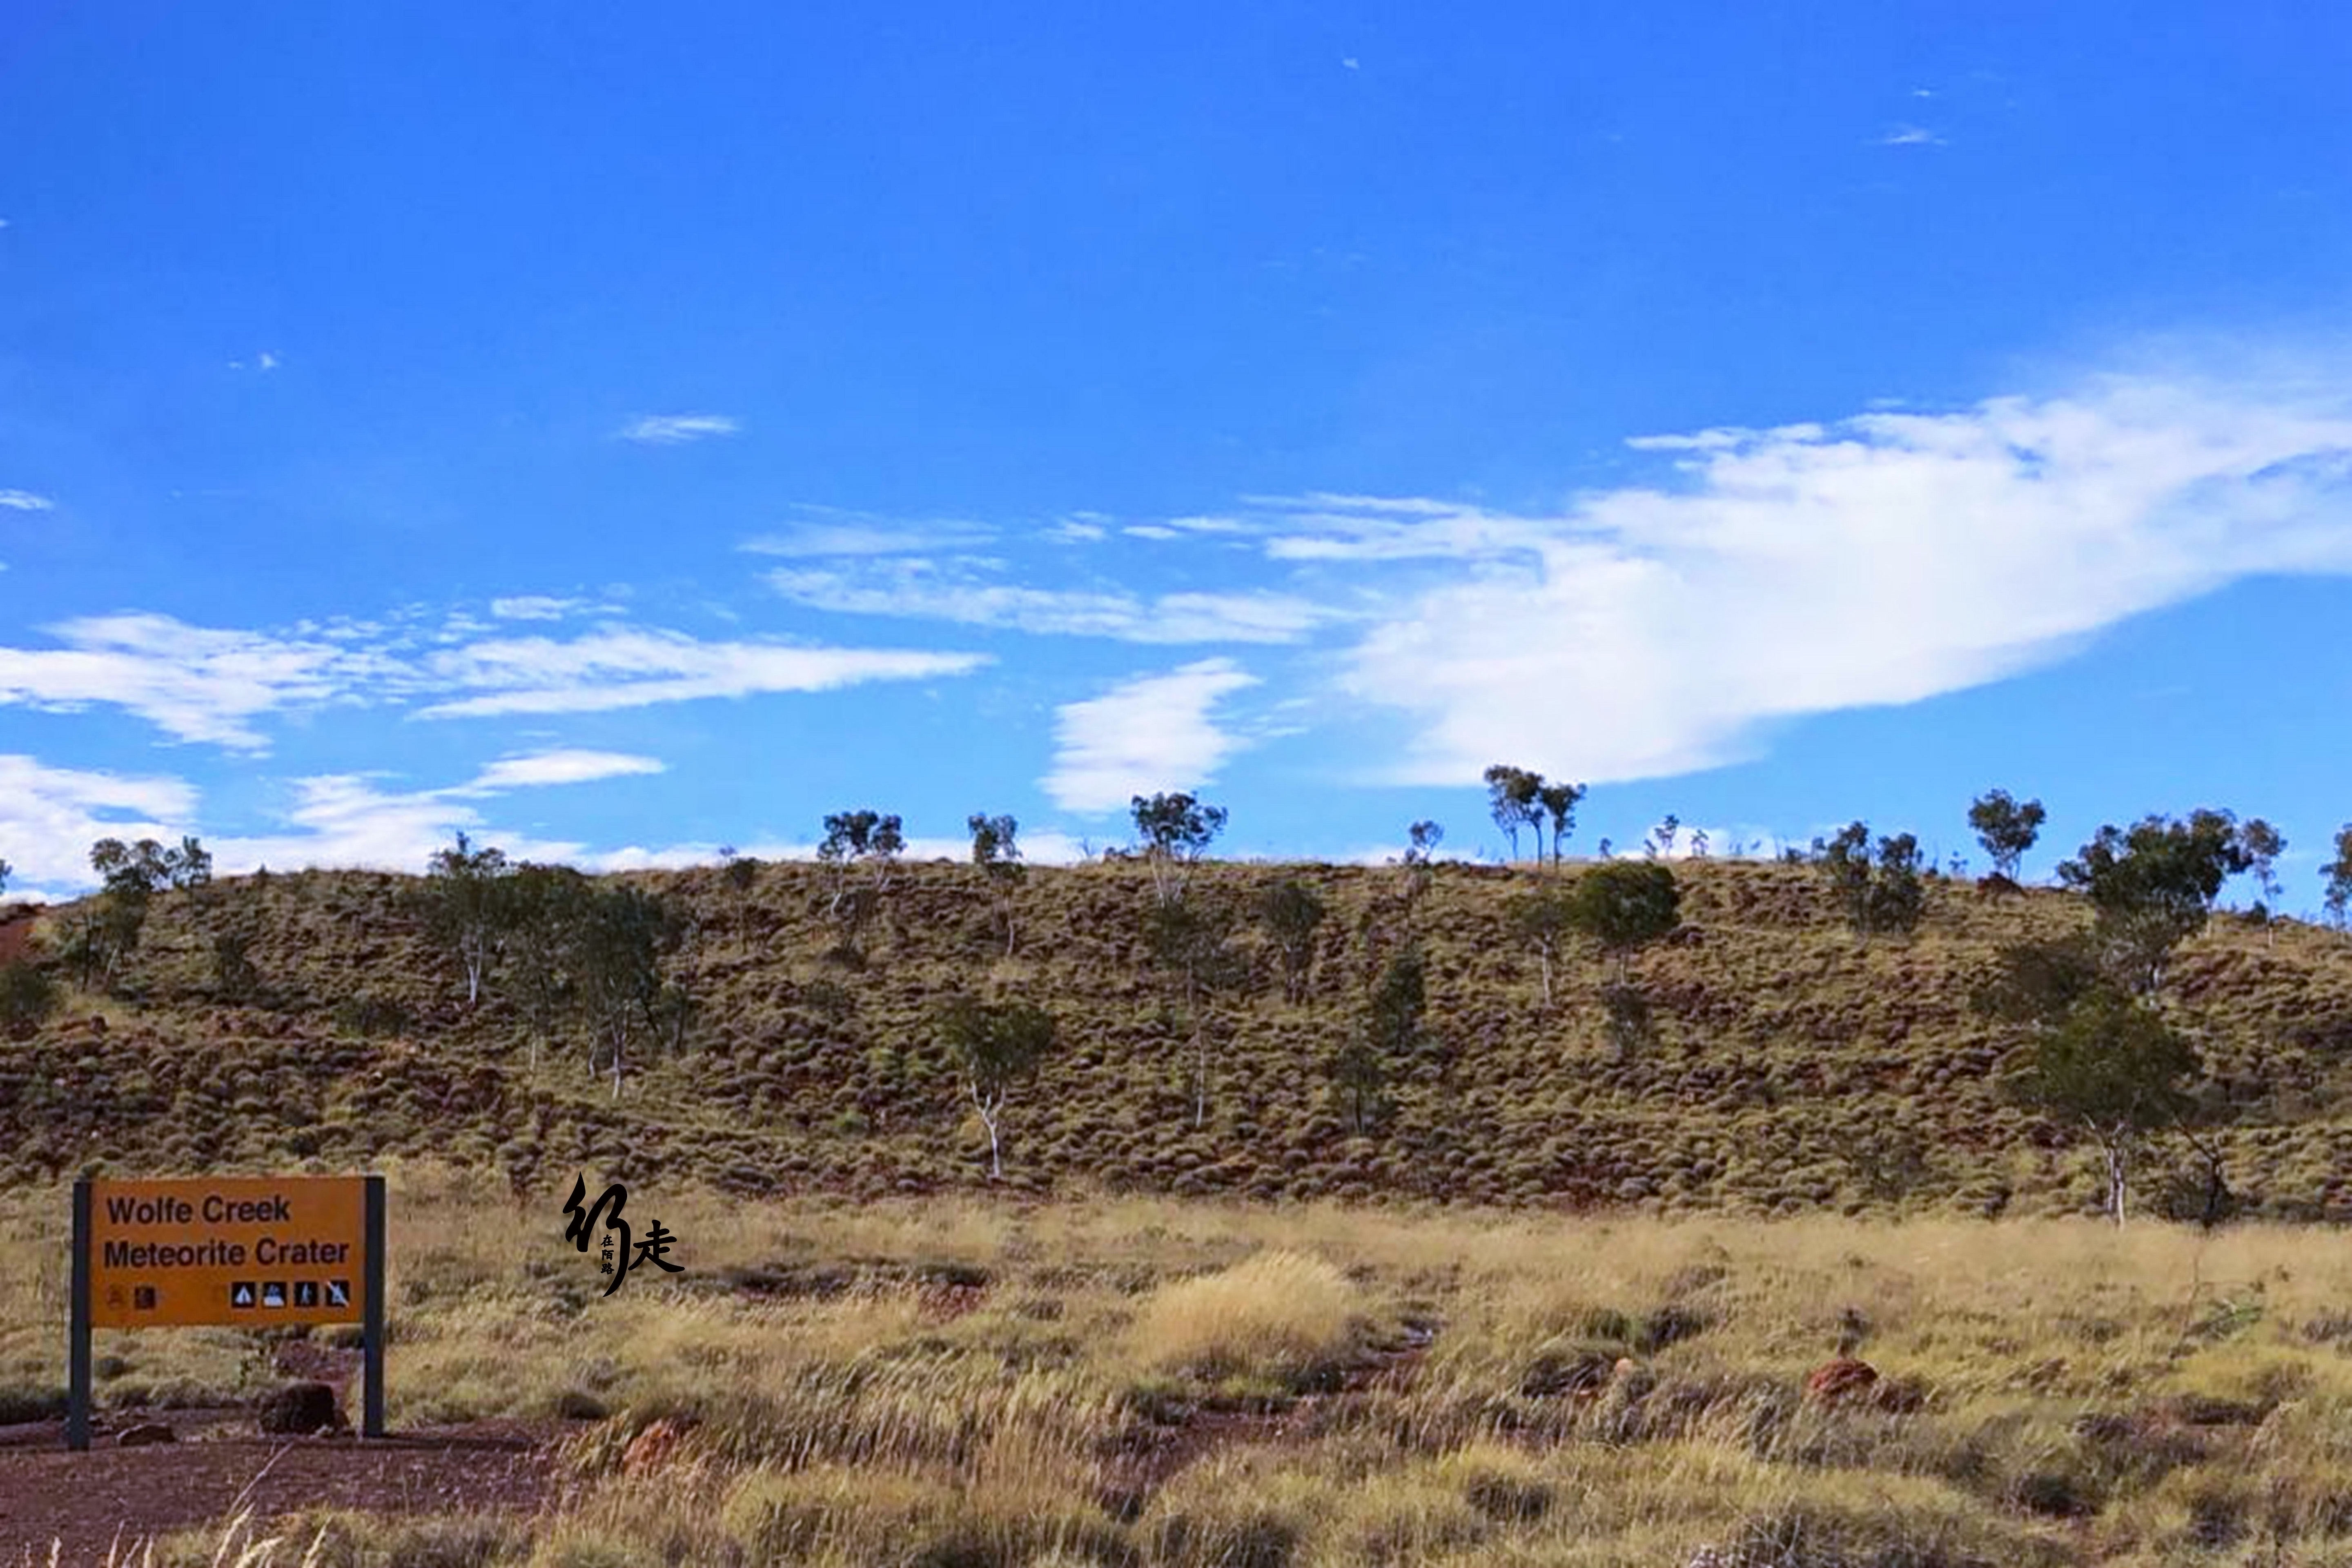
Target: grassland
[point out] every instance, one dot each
(1790, 1070)
(1143, 1381)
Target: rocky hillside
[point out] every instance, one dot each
(1787, 1067)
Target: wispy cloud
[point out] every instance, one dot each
(535, 607)
(629, 668)
(671, 429)
(51, 816)
(24, 500)
(831, 533)
(1910, 136)
(1807, 569)
(926, 590)
(194, 683)
(536, 769)
(214, 685)
(1151, 733)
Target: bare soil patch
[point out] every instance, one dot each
(88, 1502)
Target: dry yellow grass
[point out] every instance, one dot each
(2072, 1395)
(1278, 1315)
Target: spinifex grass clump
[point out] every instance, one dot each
(2047, 1392)
(1280, 1317)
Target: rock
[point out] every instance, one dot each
(143, 1434)
(654, 1449)
(300, 1408)
(1834, 1380)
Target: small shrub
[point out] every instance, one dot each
(1501, 1483)
(27, 997)
(1278, 1314)
(369, 1014)
(22, 1402)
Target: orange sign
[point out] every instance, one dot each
(246, 1251)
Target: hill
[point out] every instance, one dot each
(1787, 1067)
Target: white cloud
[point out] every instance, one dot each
(51, 816)
(1651, 631)
(199, 683)
(1910, 136)
(629, 668)
(838, 532)
(534, 608)
(1154, 530)
(670, 429)
(346, 820)
(1144, 735)
(24, 500)
(923, 590)
(557, 767)
(195, 683)
(1076, 531)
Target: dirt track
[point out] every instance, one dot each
(85, 1501)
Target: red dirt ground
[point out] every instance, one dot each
(221, 1463)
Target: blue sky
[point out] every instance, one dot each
(623, 430)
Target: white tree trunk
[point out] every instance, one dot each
(2117, 1169)
(988, 1113)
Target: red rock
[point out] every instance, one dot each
(1834, 1380)
(654, 1449)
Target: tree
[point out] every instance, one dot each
(1291, 911)
(1358, 1083)
(1898, 896)
(6, 870)
(622, 933)
(1540, 918)
(2151, 887)
(1662, 837)
(2033, 985)
(2113, 1068)
(996, 850)
(1175, 830)
(1396, 1011)
(2263, 845)
(1844, 861)
(189, 866)
(1514, 800)
(1885, 896)
(853, 839)
(996, 1046)
(1419, 861)
(466, 910)
(111, 928)
(545, 919)
(1558, 803)
(235, 977)
(2338, 895)
(1626, 905)
(1192, 947)
(2006, 828)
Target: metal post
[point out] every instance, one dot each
(78, 1326)
(371, 1314)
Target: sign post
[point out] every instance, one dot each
(78, 1352)
(239, 1251)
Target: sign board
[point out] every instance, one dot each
(243, 1251)
(239, 1251)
